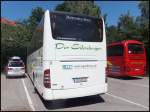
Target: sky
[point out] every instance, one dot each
(19, 10)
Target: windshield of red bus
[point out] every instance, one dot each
(76, 28)
(135, 49)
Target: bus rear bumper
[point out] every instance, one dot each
(74, 93)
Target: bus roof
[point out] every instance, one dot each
(124, 42)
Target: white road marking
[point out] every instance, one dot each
(135, 84)
(28, 96)
(126, 100)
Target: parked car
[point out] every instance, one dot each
(15, 68)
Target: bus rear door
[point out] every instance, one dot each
(136, 60)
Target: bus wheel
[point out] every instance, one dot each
(33, 77)
(34, 83)
(35, 90)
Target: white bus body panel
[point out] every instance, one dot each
(70, 60)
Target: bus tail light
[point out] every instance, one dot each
(46, 80)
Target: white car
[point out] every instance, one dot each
(15, 68)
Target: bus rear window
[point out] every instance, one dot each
(135, 49)
(76, 28)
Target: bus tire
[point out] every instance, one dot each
(35, 90)
(33, 76)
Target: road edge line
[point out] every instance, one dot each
(140, 105)
(28, 96)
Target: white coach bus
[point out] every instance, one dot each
(67, 56)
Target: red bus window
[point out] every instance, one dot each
(135, 49)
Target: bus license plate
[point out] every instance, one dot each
(80, 79)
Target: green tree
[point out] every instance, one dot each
(126, 21)
(128, 27)
(144, 7)
(124, 30)
(33, 20)
(15, 39)
(143, 21)
(11, 39)
(113, 34)
(81, 7)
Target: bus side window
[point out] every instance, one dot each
(116, 50)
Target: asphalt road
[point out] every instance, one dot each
(124, 94)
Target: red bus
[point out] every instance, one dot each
(126, 58)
